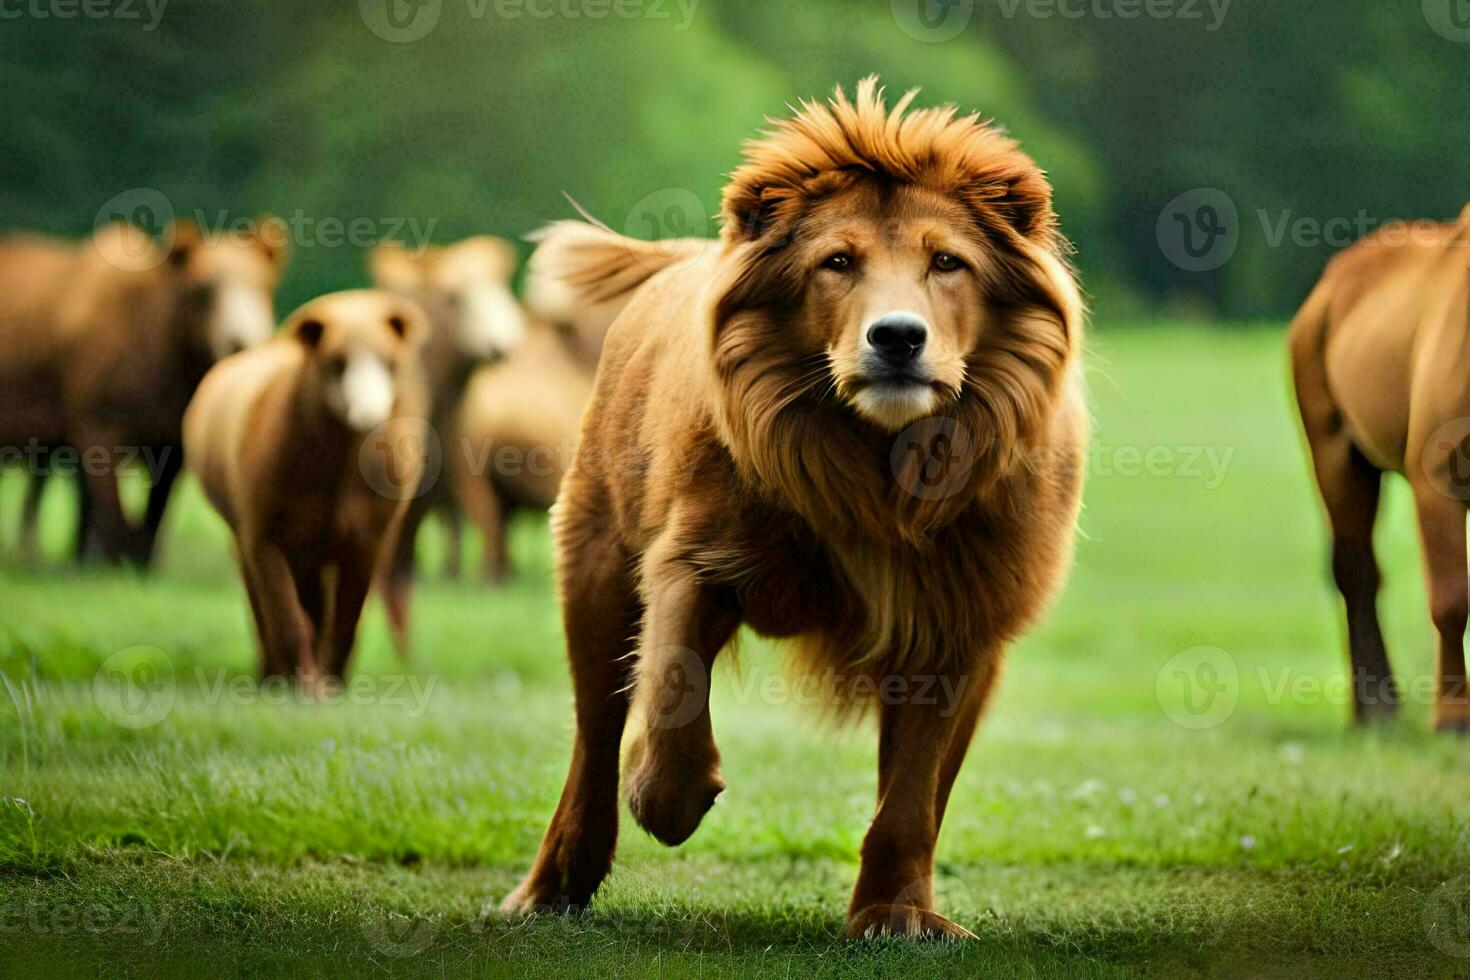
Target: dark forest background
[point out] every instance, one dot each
(1317, 119)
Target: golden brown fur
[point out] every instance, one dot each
(521, 419)
(759, 450)
(1380, 360)
(313, 488)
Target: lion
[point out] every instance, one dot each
(855, 424)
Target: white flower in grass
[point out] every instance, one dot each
(1087, 789)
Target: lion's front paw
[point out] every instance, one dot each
(536, 898)
(908, 921)
(670, 798)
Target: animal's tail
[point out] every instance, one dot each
(582, 274)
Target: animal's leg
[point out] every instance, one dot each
(600, 611)
(453, 543)
(1442, 534)
(165, 467)
(1350, 487)
(917, 753)
(354, 578)
(479, 501)
(30, 515)
(311, 590)
(965, 704)
(397, 575)
(85, 542)
(673, 763)
(286, 635)
(100, 451)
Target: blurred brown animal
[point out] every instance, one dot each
(310, 448)
(103, 345)
(857, 424)
(475, 320)
(1382, 373)
(520, 419)
(34, 271)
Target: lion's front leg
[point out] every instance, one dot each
(921, 743)
(673, 765)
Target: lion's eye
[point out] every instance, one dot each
(839, 262)
(946, 262)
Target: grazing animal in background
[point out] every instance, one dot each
(520, 419)
(102, 349)
(856, 424)
(475, 320)
(1382, 373)
(310, 447)
(34, 271)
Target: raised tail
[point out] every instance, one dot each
(583, 274)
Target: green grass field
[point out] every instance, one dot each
(1166, 782)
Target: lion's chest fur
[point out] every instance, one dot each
(900, 607)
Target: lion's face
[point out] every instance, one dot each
(892, 293)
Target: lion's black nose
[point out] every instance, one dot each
(898, 338)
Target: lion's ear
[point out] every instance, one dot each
(1023, 201)
(752, 210)
(183, 238)
(273, 237)
(493, 255)
(393, 268)
(743, 211)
